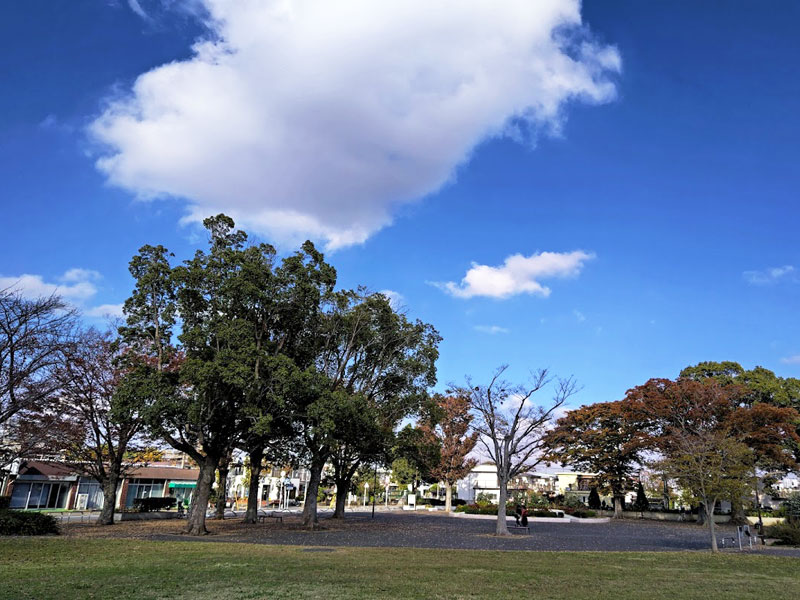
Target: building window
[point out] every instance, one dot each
(94, 493)
(39, 495)
(144, 488)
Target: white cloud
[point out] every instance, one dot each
(74, 285)
(104, 311)
(137, 8)
(396, 299)
(491, 329)
(316, 118)
(771, 275)
(791, 360)
(579, 316)
(518, 275)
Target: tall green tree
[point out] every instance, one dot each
(383, 365)
(416, 455)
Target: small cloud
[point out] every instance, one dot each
(75, 284)
(137, 8)
(73, 275)
(76, 287)
(598, 330)
(517, 275)
(771, 275)
(396, 299)
(791, 360)
(105, 311)
(52, 123)
(579, 316)
(490, 329)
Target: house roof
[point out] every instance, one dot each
(53, 470)
(171, 473)
(47, 469)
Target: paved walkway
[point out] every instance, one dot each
(396, 529)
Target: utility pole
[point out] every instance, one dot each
(374, 486)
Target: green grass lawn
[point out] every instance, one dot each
(90, 568)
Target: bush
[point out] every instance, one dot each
(584, 514)
(482, 509)
(477, 509)
(5, 502)
(573, 501)
(788, 533)
(153, 504)
(546, 513)
(17, 522)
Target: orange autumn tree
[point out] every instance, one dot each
(710, 438)
(449, 423)
(602, 439)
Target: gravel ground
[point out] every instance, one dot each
(395, 529)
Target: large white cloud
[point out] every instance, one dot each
(318, 118)
(517, 275)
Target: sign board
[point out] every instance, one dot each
(83, 502)
(412, 499)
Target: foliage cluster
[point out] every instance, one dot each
(787, 533)
(17, 522)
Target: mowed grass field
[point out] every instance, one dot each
(43, 568)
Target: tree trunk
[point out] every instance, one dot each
(109, 500)
(502, 526)
(710, 519)
(738, 516)
(196, 522)
(342, 490)
(448, 497)
(701, 514)
(618, 506)
(310, 506)
(222, 491)
(251, 516)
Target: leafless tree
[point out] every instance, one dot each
(101, 423)
(512, 427)
(33, 338)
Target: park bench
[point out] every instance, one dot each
(527, 528)
(262, 517)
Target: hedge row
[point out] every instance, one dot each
(17, 522)
(438, 502)
(153, 504)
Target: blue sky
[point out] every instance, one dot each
(669, 160)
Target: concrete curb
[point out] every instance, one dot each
(564, 519)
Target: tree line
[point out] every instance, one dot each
(717, 431)
(239, 349)
(233, 348)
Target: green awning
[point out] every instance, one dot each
(178, 484)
